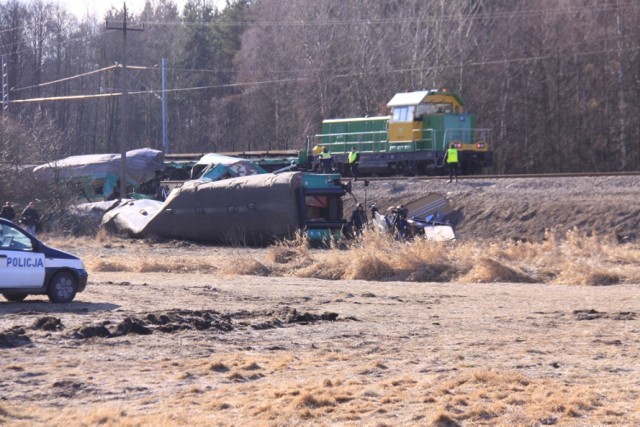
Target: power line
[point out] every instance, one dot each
(154, 68)
(631, 5)
(66, 78)
(306, 79)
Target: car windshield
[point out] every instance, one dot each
(13, 239)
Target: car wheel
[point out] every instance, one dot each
(62, 287)
(15, 297)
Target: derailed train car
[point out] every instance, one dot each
(253, 210)
(96, 176)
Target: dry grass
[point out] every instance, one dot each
(574, 259)
(464, 397)
(147, 264)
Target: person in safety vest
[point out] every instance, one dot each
(451, 160)
(326, 161)
(354, 158)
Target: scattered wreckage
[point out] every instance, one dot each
(423, 217)
(231, 200)
(260, 209)
(215, 167)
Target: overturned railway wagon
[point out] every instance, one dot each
(253, 210)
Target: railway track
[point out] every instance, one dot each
(503, 176)
(174, 184)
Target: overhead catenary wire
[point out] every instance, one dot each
(293, 79)
(65, 79)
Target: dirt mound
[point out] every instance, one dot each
(90, 331)
(131, 325)
(591, 314)
(48, 323)
(288, 315)
(173, 321)
(176, 320)
(14, 337)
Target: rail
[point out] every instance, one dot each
(175, 184)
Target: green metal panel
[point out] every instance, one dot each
(459, 128)
(436, 123)
(366, 134)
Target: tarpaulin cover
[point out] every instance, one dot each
(94, 210)
(131, 216)
(251, 210)
(142, 165)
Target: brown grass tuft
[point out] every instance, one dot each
(236, 376)
(247, 267)
(251, 367)
(585, 274)
(368, 266)
(102, 235)
(442, 419)
(490, 270)
(4, 412)
(308, 400)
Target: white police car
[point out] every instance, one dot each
(28, 266)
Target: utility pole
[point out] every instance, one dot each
(123, 100)
(165, 137)
(5, 83)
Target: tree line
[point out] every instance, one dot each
(558, 81)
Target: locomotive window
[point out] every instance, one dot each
(424, 109)
(435, 108)
(444, 107)
(403, 114)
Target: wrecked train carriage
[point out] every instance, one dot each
(214, 167)
(96, 176)
(253, 210)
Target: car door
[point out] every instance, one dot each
(21, 265)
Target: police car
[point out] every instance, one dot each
(28, 266)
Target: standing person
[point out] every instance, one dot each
(451, 160)
(326, 161)
(359, 219)
(30, 218)
(354, 158)
(8, 212)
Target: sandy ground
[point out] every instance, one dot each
(214, 349)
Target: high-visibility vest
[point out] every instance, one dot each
(353, 156)
(325, 155)
(452, 155)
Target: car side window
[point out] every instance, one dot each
(14, 240)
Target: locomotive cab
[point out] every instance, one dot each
(434, 120)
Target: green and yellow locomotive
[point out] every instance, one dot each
(411, 140)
